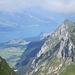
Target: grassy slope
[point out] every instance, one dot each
(69, 70)
(5, 69)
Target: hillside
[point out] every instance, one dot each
(5, 69)
(55, 55)
(69, 70)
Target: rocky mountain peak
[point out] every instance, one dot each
(57, 51)
(67, 21)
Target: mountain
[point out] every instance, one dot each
(23, 25)
(56, 56)
(5, 69)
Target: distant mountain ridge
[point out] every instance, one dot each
(23, 25)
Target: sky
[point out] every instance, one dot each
(59, 6)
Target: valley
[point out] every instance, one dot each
(12, 50)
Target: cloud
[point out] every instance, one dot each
(32, 26)
(63, 6)
(29, 26)
(13, 5)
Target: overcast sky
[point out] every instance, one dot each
(63, 6)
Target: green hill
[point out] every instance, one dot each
(5, 69)
(70, 70)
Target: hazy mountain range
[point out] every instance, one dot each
(24, 25)
(28, 24)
